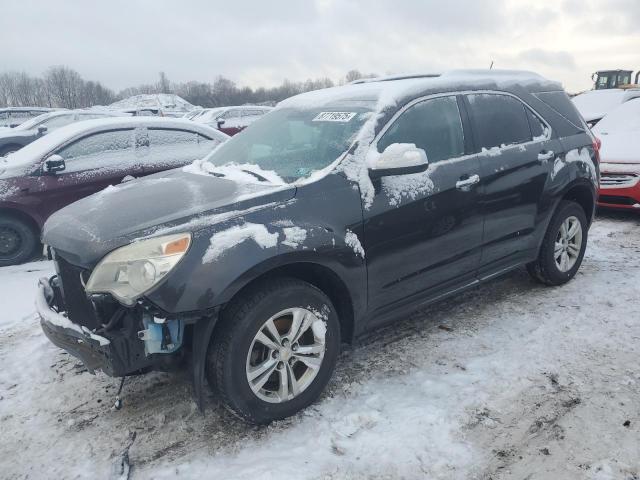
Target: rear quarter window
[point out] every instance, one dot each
(559, 102)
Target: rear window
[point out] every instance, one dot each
(498, 120)
(560, 102)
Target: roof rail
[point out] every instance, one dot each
(389, 78)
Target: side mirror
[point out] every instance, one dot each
(55, 163)
(220, 123)
(399, 159)
(42, 130)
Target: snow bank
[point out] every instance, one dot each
(227, 239)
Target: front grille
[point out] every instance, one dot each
(618, 180)
(616, 200)
(79, 307)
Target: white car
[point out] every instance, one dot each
(595, 104)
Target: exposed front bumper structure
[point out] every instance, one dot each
(115, 355)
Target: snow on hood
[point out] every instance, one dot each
(619, 132)
(174, 200)
(596, 104)
(620, 147)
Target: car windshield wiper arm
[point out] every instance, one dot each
(257, 175)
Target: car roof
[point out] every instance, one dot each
(389, 90)
(29, 109)
(62, 135)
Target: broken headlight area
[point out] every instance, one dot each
(139, 337)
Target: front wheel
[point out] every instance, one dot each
(275, 350)
(563, 246)
(18, 241)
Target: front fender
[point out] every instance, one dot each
(227, 256)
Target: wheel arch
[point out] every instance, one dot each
(582, 193)
(20, 215)
(322, 277)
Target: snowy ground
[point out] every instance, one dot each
(509, 381)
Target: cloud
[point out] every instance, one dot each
(123, 43)
(538, 56)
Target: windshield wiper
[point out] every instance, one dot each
(257, 175)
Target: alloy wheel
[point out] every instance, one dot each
(568, 244)
(286, 355)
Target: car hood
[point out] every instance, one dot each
(176, 200)
(621, 147)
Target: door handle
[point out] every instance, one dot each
(466, 183)
(545, 155)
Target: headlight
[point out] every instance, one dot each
(130, 271)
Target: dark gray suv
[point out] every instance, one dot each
(339, 211)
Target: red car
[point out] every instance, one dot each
(75, 161)
(619, 132)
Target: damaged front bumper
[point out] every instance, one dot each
(97, 352)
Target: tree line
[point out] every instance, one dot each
(61, 86)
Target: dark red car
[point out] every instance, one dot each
(80, 159)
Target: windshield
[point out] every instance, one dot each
(293, 142)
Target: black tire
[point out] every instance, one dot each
(545, 269)
(9, 149)
(18, 241)
(240, 322)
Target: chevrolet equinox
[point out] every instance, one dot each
(339, 211)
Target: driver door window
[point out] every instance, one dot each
(433, 125)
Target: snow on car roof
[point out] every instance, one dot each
(44, 145)
(595, 104)
(385, 91)
(162, 101)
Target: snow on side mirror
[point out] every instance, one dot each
(54, 163)
(399, 159)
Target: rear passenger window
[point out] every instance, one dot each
(433, 125)
(498, 120)
(538, 129)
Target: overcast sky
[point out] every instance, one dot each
(262, 42)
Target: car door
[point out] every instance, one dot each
(423, 232)
(515, 145)
(91, 163)
(171, 148)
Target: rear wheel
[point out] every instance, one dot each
(563, 246)
(275, 351)
(18, 241)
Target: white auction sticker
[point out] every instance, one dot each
(334, 116)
